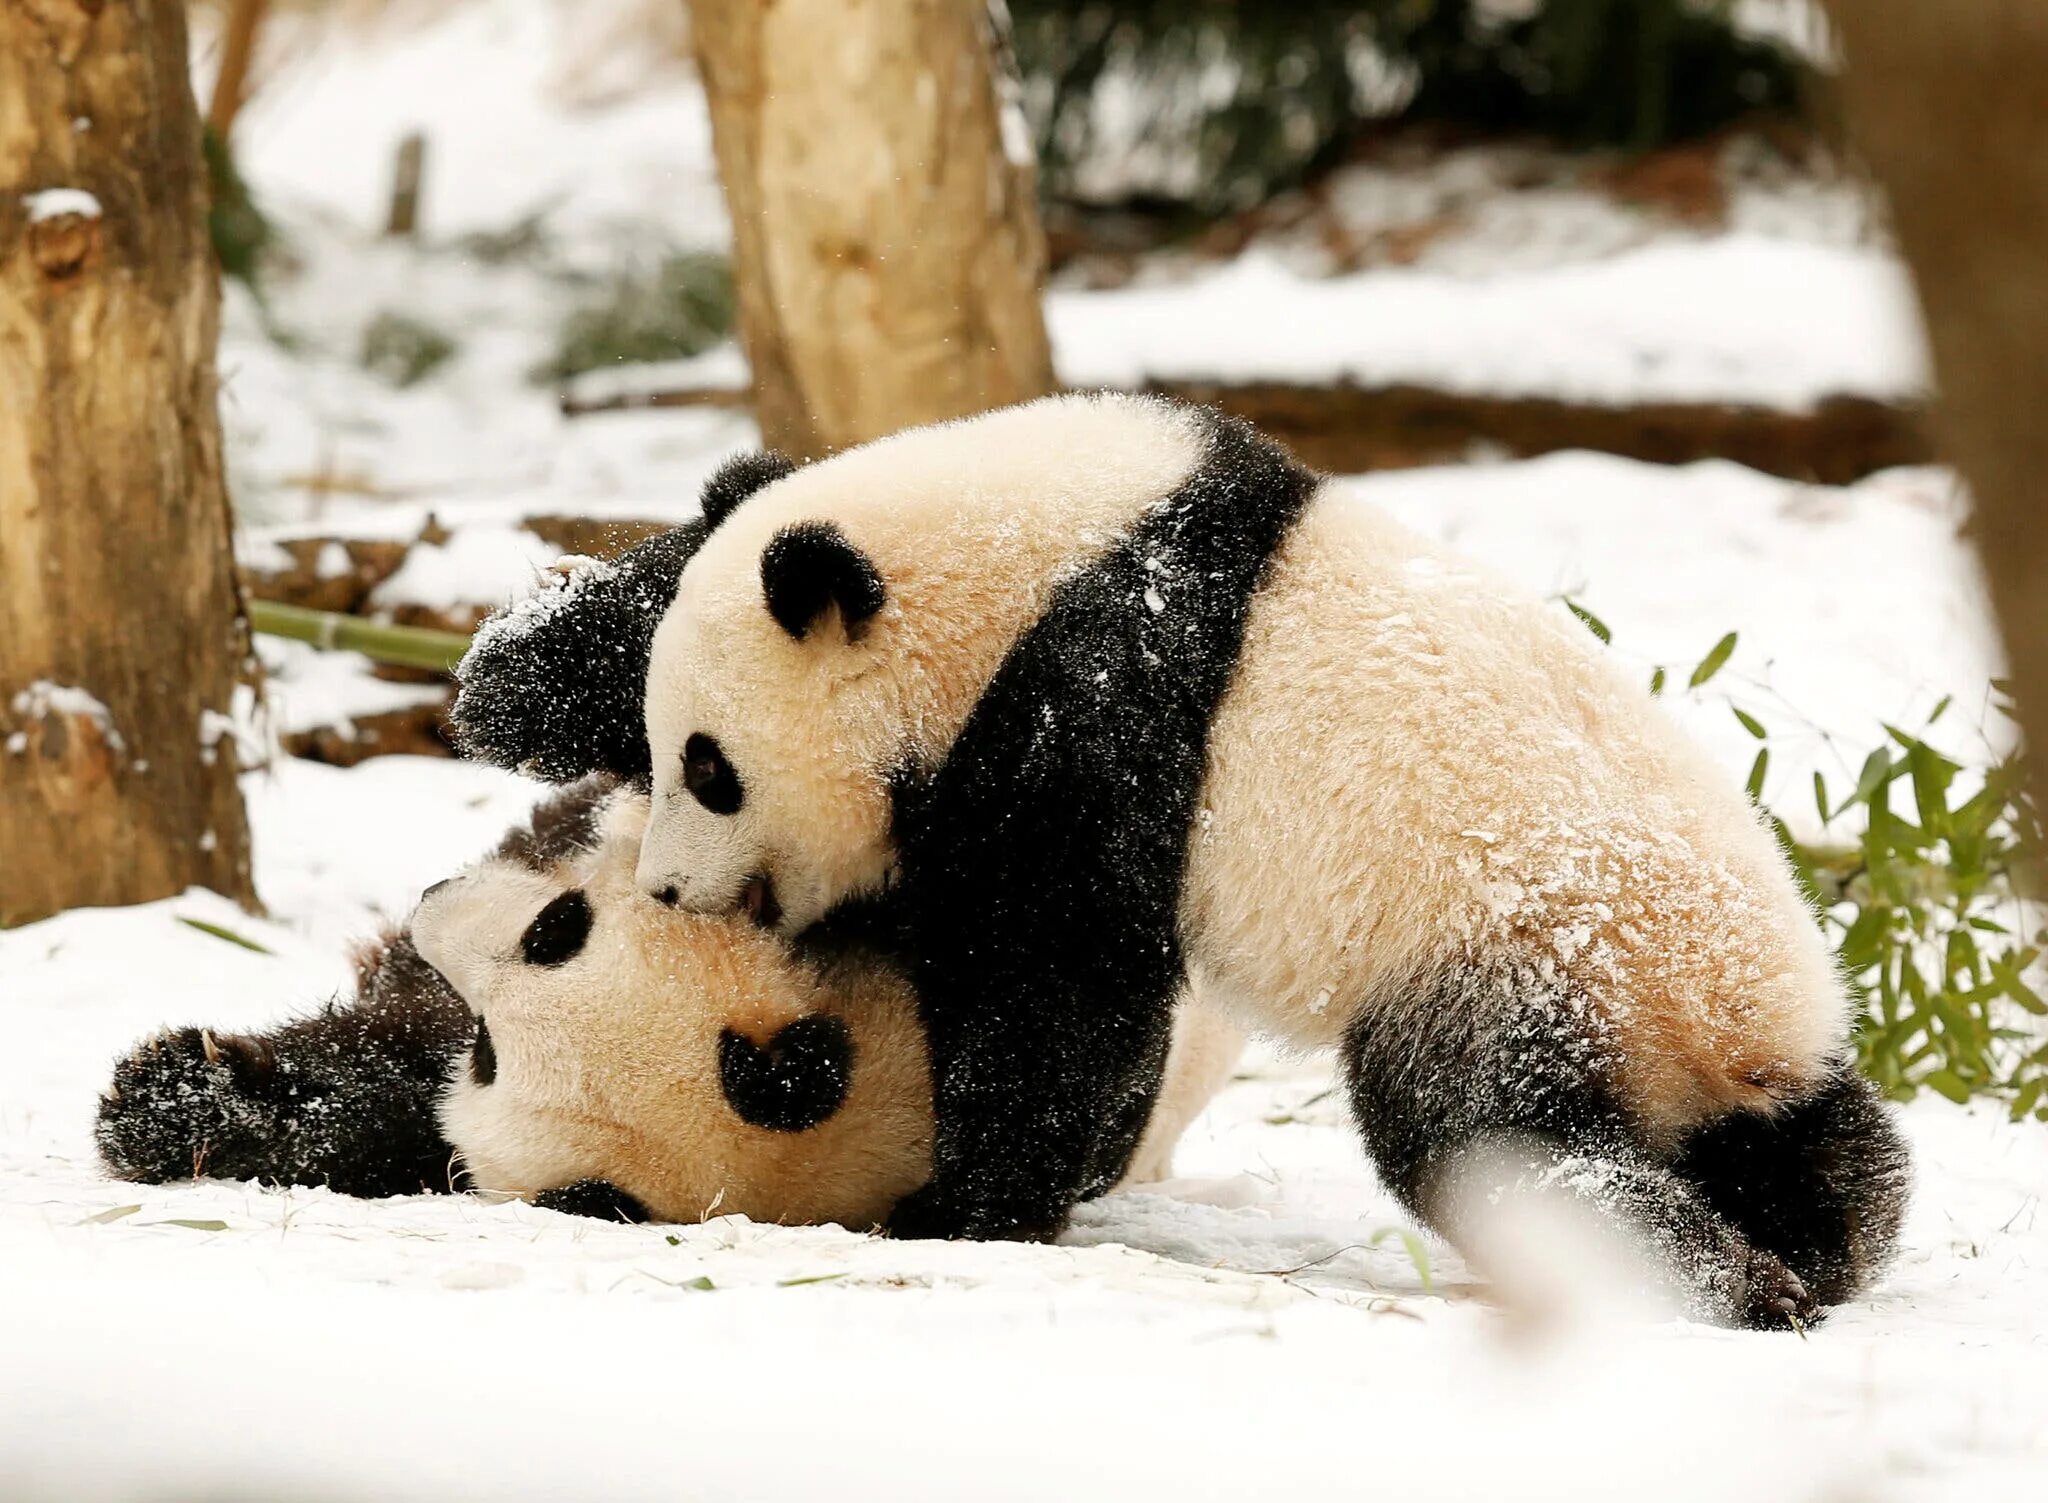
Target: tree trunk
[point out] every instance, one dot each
(1949, 102)
(121, 631)
(886, 244)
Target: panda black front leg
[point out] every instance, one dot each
(1025, 1104)
(344, 1098)
(1488, 1079)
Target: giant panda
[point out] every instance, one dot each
(1112, 695)
(638, 1063)
(541, 1029)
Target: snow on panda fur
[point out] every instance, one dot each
(542, 1029)
(1114, 696)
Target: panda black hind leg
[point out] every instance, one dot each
(1489, 1079)
(1821, 1184)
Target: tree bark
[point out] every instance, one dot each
(121, 632)
(886, 244)
(1949, 103)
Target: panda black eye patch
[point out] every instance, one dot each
(558, 932)
(709, 777)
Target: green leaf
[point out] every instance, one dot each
(219, 933)
(1592, 622)
(1820, 796)
(190, 1226)
(1716, 658)
(1751, 724)
(1941, 709)
(673, 1240)
(701, 1282)
(1877, 771)
(1657, 684)
(111, 1214)
(1418, 1254)
(1757, 769)
(816, 1278)
(1949, 1084)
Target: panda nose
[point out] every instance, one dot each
(668, 896)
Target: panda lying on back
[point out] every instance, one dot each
(1111, 694)
(542, 1029)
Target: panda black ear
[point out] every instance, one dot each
(738, 478)
(798, 1081)
(811, 566)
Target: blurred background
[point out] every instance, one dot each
(482, 272)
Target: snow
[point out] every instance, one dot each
(1737, 318)
(496, 88)
(43, 698)
(481, 564)
(306, 688)
(50, 203)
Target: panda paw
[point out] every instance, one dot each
(189, 1104)
(1775, 1298)
(931, 1214)
(593, 1197)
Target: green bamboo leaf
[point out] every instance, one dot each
(1418, 1254)
(108, 1216)
(815, 1278)
(1657, 684)
(1592, 622)
(1820, 796)
(188, 1225)
(219, 933)
(1716, 658)
(1751, 724)
(1757, 769)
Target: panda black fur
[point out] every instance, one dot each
(1109, 692)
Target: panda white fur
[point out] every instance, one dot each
(636, 1062)
(1113, 695)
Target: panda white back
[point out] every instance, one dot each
(1416, 763)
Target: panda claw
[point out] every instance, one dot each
(211, 1046)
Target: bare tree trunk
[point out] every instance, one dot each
(237, 49)
(121, 630)
(1949, 102)
(886, 243)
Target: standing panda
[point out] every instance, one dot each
(1112, 695)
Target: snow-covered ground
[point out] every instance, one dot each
(1242, 1331)
(1238, 1329)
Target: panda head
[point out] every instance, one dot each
(694, 1062)
(835, 633)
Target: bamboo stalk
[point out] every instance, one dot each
(400, 646)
